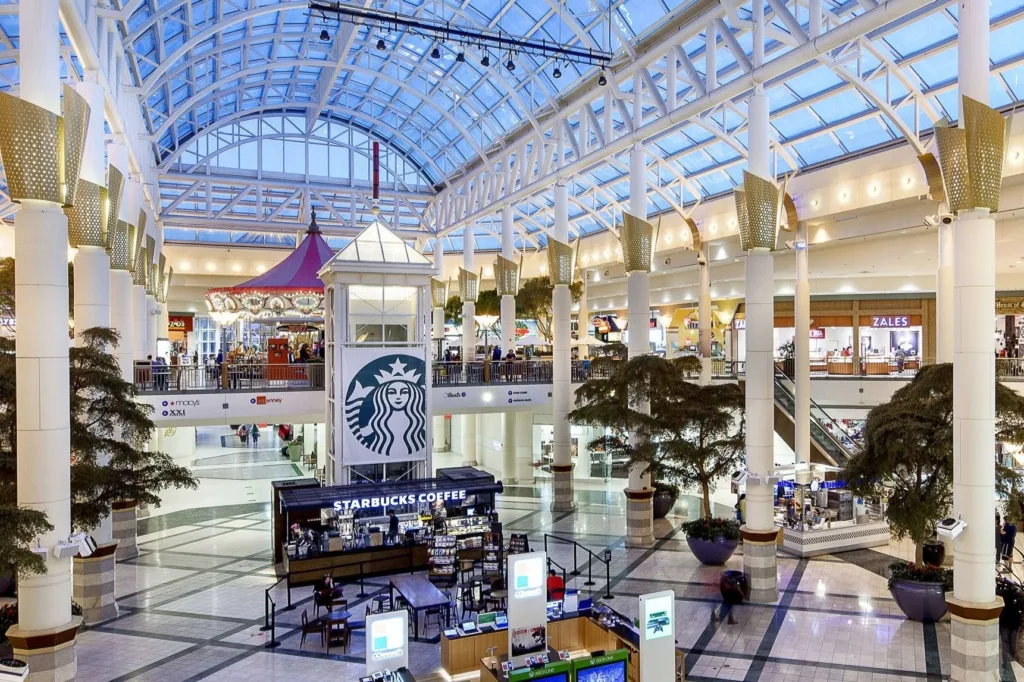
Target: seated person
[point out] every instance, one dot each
(556, 586)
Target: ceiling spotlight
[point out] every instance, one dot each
(557, 73)
(602, 80)
(324, 35)
(510, 65)
(460, 57)
(435, 53)
(381, 45)
(486, 61)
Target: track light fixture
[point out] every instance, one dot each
(486, 61)
(557, 73)
(442, 31)
(324, 35)
(602, 80)
(510, 65)
(460, 57)
(381, 45)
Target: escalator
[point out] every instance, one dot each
(829, 444)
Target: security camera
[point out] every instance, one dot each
(42, 552)
(947, 220)
(950, 527)
(668, 261)
(739, 477)
(931, 221)
(86, 544)
(701, 260)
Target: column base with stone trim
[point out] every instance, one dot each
(974, 631)
(760, 564)
(640, 518)
(94, 584)
(564, 496)
(124, 516)
(50, 654)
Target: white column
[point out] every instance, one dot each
(759, 560)
(508, 455)
(583, 319)
(524, 447)
(704, 314)
(802, 350)
(561, 384)
(508, 301)
(437, 314)
(974, 633)
(139, 327)
(944, 294)
(121, 320)
(152, 324)
(469, 448)
(163, 323)
(43, 391)
(440, 443)
(468, 307)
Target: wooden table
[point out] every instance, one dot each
(419, 593)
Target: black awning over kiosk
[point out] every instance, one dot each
(451, 484)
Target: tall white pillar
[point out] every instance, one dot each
(802, 350)
(508, 454)
(152, 324)
(508, 301)
(440, 440)
(704, 314)
(140, 329)
(121, 320)
(759, 531)
(561, 384)
(639, 494)
(524, 447)
(468, 307)
(583, 319)
(944, 294)
(469, 447)
(974, 606)
(43, 387)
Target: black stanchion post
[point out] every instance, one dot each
(273, 643)
(590, 571)
(575, 564)
(288, 585)
(362, 586)
(608, 575)
(266, 611)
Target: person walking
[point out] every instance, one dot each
(1009, 539)
(255, 433)
(243, 434)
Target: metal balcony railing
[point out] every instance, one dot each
(153, 378)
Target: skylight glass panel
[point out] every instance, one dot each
(817, 149)
(795, 123)
(938, 68)
(862, 135)
(920, 34)
(840, 106)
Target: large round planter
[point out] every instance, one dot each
(933, 553)
(663, 503)
(712, 552)
(923, 602)
(734, 587)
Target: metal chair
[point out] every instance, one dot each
(307, 628)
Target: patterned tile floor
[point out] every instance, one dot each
(192, 605)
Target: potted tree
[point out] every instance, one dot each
(787, 352)
(908, 458)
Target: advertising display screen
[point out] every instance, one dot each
(609, 672)
(529, 577)
(658, 617)
(386, 641)
(610, 667)
(558, 671)
(386, 635)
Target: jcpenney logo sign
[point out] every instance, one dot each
(264, 400)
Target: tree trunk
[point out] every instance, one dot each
(706, 504)
(919, 553)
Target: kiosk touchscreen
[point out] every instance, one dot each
(607, 668)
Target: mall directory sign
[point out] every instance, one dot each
(657, 634)
(527, 606)
(610, 667)
(387, 644)
(556, 671)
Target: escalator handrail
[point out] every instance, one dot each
(848, 451)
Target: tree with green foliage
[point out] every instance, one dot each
(487, 303)
(109, 462)
(908, 452)
(692, 435)
(533, 302)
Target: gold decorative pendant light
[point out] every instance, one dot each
(561, 262)
(506, 276)
(469, 285)
(138, 254)
(637, 238)
(758, 210)
(971, 157)
(438, 293)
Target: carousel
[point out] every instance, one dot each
(287, 299)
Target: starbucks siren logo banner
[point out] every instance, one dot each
(385, 406)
